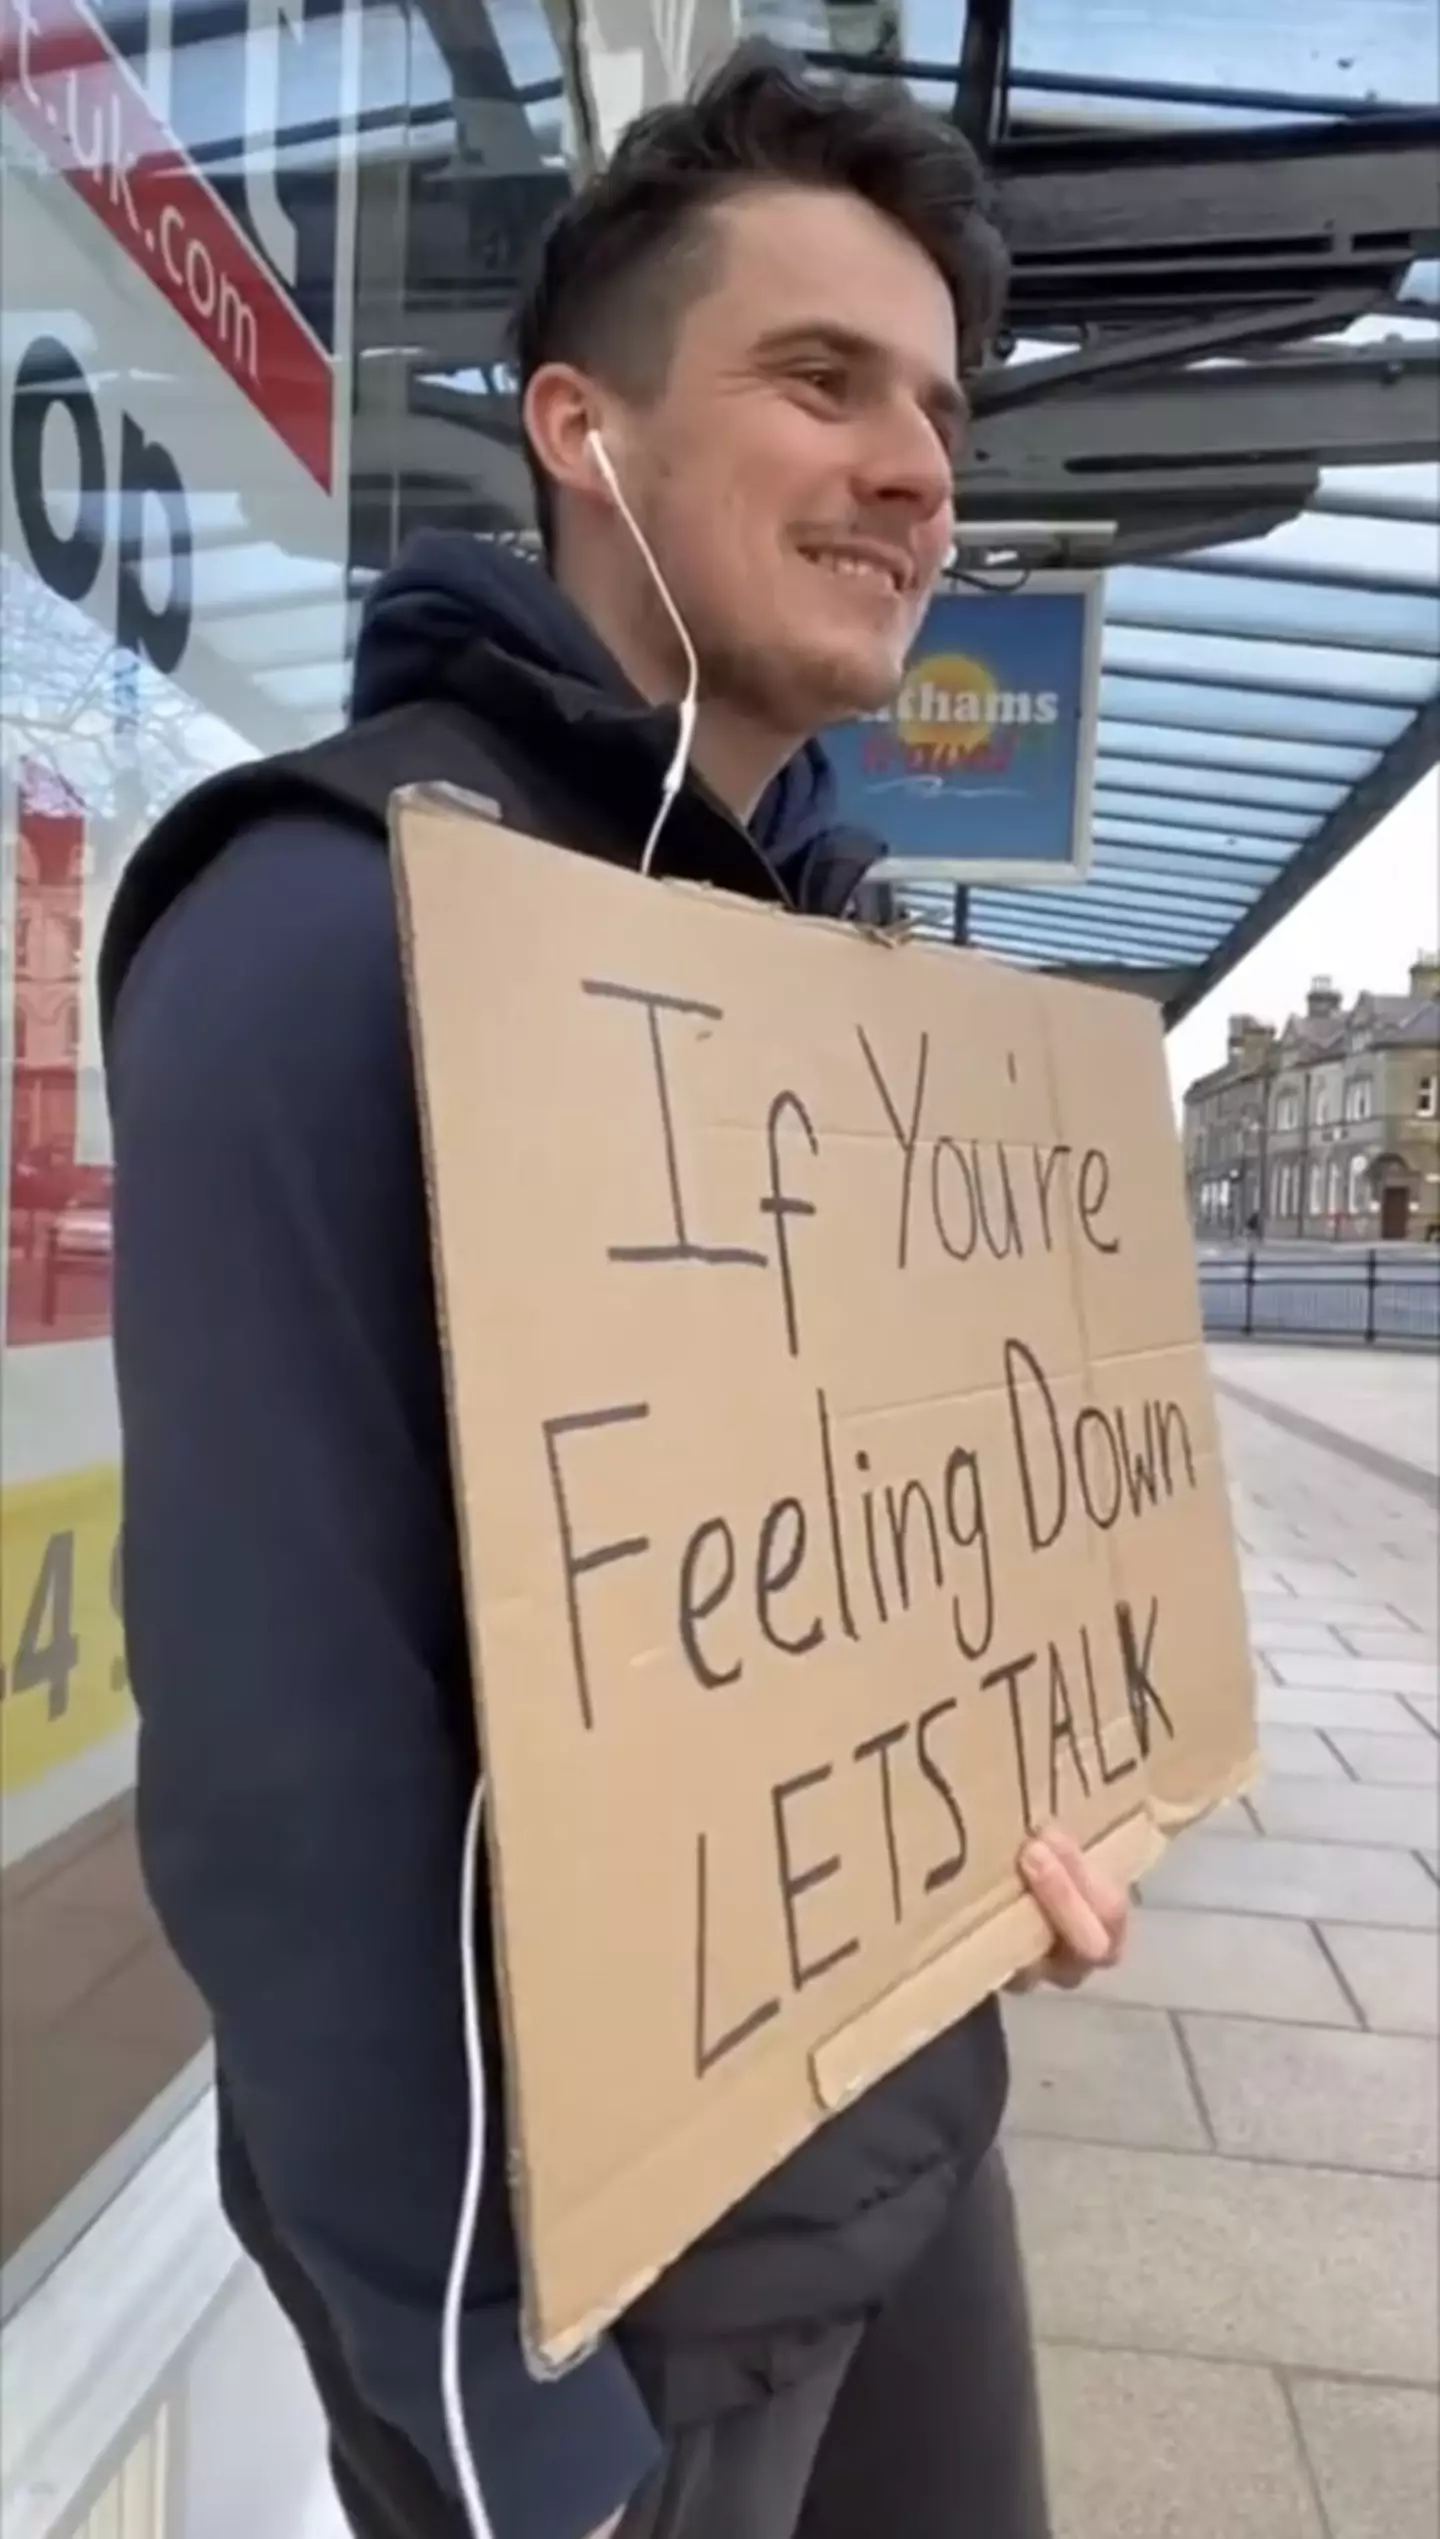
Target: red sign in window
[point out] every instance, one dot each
(58, 1286)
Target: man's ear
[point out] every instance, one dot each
(559, 414)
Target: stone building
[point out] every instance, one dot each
(1328, 1128)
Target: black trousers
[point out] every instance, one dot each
(928, 2429)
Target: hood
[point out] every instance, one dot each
(453, 594)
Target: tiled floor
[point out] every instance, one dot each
(1227, 2151)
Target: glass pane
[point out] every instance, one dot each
(1340, 766)
(1222, 712)
(227, 633)
(1199, 812)
(1256, 606)
(1359, 543)
(1202, 877)
(1071, 940)
(1298, 48)
(1151, 832)
(1117, 771)
(1413, 482)
(1309, 669)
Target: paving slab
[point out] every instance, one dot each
(1234, 1818)
(1150, 2446)
(1349, 1811)
(1388, 1762)
(1309, 1881)
(1318, 2095)
(1332, 1613)
(1099, 2072)
(1242, 2261)
(1302, 1754)
(1376, 2457)
(1300, 1638)
(1368, 1397)
(1393, 1975)
(1311, 1578)
(1376, 1714)
(1340, 1674)
(1385, 1642)
(1242, 1963)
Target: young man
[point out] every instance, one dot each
(763, 312)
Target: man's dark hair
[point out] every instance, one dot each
(631, 251)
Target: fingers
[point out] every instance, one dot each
(1110, 1904)
(1069, 1898)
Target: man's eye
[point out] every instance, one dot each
(823, 377)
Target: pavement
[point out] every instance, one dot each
(1226, 2151)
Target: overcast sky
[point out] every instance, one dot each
(1362, 927)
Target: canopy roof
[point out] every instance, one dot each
(1222, 386)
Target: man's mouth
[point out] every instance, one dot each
(869, 566)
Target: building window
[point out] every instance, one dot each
(1337, 1187)
(1324, 1108)
(1357, 1099)
(1425, 1097)
(1317, 1190)
(1360, 1198)
(1287, 1110)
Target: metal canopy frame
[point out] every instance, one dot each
(1226, 350)
(1224, 345)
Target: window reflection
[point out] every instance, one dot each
(249, 343)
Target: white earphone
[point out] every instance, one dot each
(452, 2323)
(689, 703)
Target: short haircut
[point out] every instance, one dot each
(632, 251)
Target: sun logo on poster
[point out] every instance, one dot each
(953, 715)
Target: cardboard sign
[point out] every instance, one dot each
(840, 1495)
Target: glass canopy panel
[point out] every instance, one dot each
(1343, 765)
(1360, 550)
(1199, 812)
(1314, 670)
(1179, 845)
(1117, 772)
(1194, 708)
(1201, 873)
(1293, 613)
(1409, 490)
(1325, 52)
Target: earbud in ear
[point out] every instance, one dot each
(603, 465)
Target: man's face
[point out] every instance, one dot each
(794, 474)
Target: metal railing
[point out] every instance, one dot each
(1372, 1295)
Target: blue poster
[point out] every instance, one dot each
(981, 770)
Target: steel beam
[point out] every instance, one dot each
(621, 57)
(1369, 405)
(1201, 220)
(983, 71)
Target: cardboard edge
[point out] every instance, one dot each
(545, 2362)
(998, 1946)
(886, 2034)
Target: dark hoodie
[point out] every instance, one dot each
(293, 1599)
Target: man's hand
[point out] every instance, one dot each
(1089, 1917)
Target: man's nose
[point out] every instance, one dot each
(907, 465)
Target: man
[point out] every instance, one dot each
(761, 314)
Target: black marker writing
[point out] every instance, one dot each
(681, 1245)
(577, 1564)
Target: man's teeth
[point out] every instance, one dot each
(858, 568)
